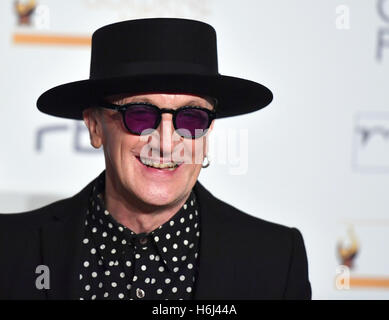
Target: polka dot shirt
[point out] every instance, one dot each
(120, 264)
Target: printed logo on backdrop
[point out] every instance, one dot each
(383, 30)
(369, 273)
(33, 18)
(31, 14)
(370, 149)
(77, 132)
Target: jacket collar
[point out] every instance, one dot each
(62, 237)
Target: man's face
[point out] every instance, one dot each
(122, 150)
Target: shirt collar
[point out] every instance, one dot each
(182, 230)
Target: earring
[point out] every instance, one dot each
(207, 164)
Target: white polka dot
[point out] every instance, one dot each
(87, 287)
(175, 246)
(156, 238)
(137, 256)
(151, 257)
(94, 229)
(164, 249)
(159, 291)
(191, 245)
(107, 272)
(167, 280)
(122, 275)
(124, 241)
(86, 264)
(178, 232)
(80, 276)
(100, 284)
(128, 286)
(196, 225)
(134, 278)
(147, 280)
(106, 212)
(197, 233)
(114, 284)
(85, 241)
(186, 242)
(98, 208)
(196, 212)
(105, 294)
(102, 247)
(110, 225)
(191, 216)
(101, 221)
(104, 234)
(100, 262)
(143, 268)
(114, 238)
(191, 203)
(175, 259)
(183, 258)
(116, 263)
(182, 277)
(152, 280)
(128, 263)
(182, 220)
(196, 255)
(93, 251)
(175, 269)
(174, 289)
(111, 263)
(157, 258)
(189, 289)
(190, 266)
(93, 297)
(161, 269)
(185, 206)
(113, 251)
(168, 236)
(121, 295)
(187, 229)
(120, 228)
(172, 223)
(94, 274)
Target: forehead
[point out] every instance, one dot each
(170, 99)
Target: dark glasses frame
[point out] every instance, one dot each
(123, 108)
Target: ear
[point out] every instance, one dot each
(92, 120)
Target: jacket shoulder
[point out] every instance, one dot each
(40, 216)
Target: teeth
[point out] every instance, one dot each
(150, 163)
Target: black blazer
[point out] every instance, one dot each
(241, 257)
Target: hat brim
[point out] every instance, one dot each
(235, 96)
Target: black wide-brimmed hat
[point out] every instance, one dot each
(166, 55)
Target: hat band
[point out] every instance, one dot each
(143, 68)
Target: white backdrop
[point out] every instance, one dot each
(318, 155)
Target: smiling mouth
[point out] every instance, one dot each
(158, 164)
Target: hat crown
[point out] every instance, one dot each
(154, 46)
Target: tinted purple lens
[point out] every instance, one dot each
(192, 122)
(141, 117)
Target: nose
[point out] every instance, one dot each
(164, 138)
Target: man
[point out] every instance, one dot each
(145, 228)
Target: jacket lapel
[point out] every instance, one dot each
(217, 272)
(61, 246)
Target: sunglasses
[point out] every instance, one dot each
(141, 118)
